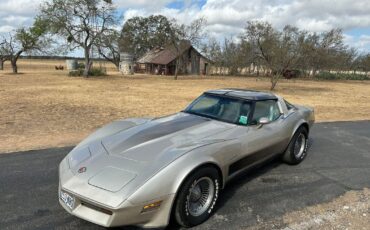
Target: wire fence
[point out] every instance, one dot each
(54, 64)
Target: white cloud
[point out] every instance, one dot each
(362, 43)
(17, 13)
(19, 7)
(15, 19)
(314, 15)
(147, 4)
(227, 17)
(6, 29)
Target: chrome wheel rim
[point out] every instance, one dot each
(300, 145)
(201, 195)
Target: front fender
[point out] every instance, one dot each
(169, 179)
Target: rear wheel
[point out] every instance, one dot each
(297, 148)
(197, 197)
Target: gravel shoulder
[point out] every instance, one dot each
(349, 211)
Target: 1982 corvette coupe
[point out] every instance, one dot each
(144, 171)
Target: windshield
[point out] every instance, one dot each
(221, 108)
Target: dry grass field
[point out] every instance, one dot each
(42, 107)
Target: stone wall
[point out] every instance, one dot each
(126, 68)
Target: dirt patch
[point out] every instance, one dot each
(350, 211)
(45, 108)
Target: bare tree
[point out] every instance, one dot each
(346, 59)
(323, 50)
(3, 55)
(108, 48)
(2, 60)
(363, 62)
(80, 22)
(12, 50)
(285, 52)
(278, 50)
(213, 51)
(180, 34)
(231, 55)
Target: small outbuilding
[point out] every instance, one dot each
(162, 60)
(126, 65)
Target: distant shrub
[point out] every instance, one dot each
(98, 72)
(340, 76)
(76, 73)
(94, 72)
(292, 73)
(81, 65)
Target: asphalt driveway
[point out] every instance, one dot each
(338, 161)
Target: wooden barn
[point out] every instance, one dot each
(162, 60)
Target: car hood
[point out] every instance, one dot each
(155, 140)
(117, 165)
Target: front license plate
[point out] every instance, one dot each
(67, 199)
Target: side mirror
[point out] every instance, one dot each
(263, 121)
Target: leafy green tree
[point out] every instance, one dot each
(23, 40)
(141, 34)
(108, 46)
(80, 22)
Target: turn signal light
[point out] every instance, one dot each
(152, 206)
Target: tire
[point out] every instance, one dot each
(297, 148)
(193, 191)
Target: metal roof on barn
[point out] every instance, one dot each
(164, 56)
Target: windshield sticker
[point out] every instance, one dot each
(243, 120)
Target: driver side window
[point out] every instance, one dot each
(268, 109)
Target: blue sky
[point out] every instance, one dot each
(183, 4)
(227, 18)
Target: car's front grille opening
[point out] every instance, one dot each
(99, 209)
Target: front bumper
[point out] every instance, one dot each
(127, 214)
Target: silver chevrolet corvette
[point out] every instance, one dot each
(145, 171)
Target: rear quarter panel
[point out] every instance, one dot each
(307, 114)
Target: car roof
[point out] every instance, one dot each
(244, 94)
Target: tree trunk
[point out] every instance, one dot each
(88, 63)
(176, 68)
(274, 80)
(1, 64)
(314, 72)
(14, 65)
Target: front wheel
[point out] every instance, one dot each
(197, 197)
(297, 148)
